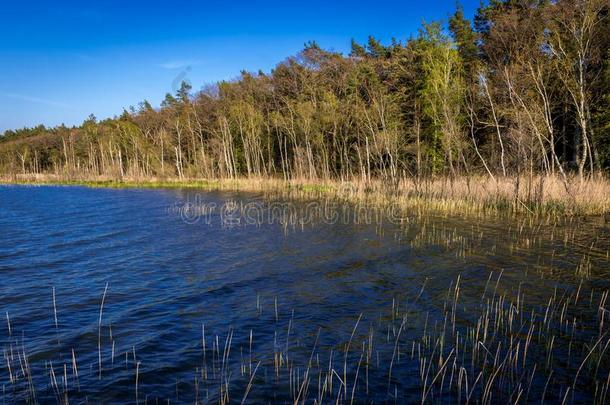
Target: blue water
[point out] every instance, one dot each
(258, 291)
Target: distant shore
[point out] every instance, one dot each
(545, 196)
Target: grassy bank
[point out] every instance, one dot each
(538, 196)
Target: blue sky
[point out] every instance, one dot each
(61, 61)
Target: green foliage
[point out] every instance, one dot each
(184, 91)
(442, 92)
(376, 49)
(145, 106)
(357, 50)
(465, 38)
(169, 101)
(415, 108)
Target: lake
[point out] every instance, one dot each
(129, 295)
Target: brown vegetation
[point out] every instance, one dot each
(512, 111)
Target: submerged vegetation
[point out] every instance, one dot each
(507, 107)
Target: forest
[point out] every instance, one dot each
(522, 90)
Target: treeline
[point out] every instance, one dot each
(522, 89)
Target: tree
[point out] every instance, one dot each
(442, 95)
(183, 92)
(376, 49)
(524, 92)
(466, 40)
(168, 101)
(602, 118)
(574, 41)
(357, 50)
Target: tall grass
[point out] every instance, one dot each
(534, 195)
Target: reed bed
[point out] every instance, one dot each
(478, 195)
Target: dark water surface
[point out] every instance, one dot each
(211, 310)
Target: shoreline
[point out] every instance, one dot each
(543, 196)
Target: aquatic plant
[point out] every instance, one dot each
(502, 346)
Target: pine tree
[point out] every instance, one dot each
(169, 101)
(466, 39)
(183, 92)
(357, 50)
(376, 49)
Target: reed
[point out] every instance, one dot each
(496, 348)
(535, 195)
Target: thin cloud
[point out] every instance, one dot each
(179, 64)
(36, 100)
